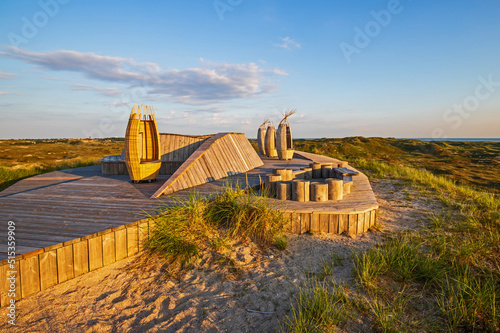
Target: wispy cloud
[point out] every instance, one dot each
(288, 43)
(117, 104)
(212, 110)
(7, 76)
(210, 82)
(9, 93)
(111, 92)
(53, 78)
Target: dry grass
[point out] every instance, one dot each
(198, 224)
(25, 158)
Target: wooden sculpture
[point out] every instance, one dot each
(261, 138)
(270, 141)
(284, 143)
(142, 145)
(222, 155)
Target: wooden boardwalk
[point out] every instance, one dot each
(71, 222)
(60, 206)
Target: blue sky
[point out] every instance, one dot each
(393, 68)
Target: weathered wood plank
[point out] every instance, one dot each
(366, 224)
(342, 223)
(65, 263)
(352, 224)
(30, 276)
(143, 234)
(48, 269)
(108, 248)
(121, 244)
(305, 222)
(324, 222)
(334, 224)
(95, 253)
(81, 257)
(360, 225)
(315, 223)
(132, 240)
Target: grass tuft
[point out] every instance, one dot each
(183, 231)
(319, 308)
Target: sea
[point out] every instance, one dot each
(461, 139)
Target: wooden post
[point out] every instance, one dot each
(261, 138)
(316, 170)
(300, 190)
(332, 171)
(270, 142)
(326, 170)
(299, 174)
(284, 143)
(284, 190)
(307, 173)
(286, 174)
(347, 187)
(319, 192)
(335, 189)
(271, 180)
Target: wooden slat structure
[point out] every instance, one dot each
(270, 140)
(222, 155)
(142, 144)
(75, 221)
(284, 142)
(175, 149)
(261, 138)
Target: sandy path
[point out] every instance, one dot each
(137, 295)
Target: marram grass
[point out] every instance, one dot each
(451, 263)
(182, 232)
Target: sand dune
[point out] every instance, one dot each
(139, 294)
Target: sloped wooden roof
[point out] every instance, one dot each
(222, 155)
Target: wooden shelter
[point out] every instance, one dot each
(220, 156)
(261, 138)
(284, 143)
(270, 140)
(142, 144)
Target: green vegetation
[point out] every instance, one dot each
(473, 164)
(320, 307)
(25, 158)
(198, 224)
(442, 277)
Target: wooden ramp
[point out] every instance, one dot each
(222, 155)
